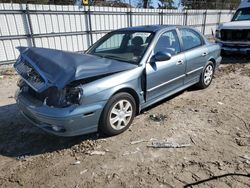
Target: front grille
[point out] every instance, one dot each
(30, 75)
(235, 35)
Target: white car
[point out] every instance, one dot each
(234, 36)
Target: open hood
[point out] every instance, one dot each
(59, 68)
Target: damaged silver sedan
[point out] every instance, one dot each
(127, 70)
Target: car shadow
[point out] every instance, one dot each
(199, 183)
(18, 137)
(167, 99)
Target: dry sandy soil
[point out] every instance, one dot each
(214, 122)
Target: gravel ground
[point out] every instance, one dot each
(213, 123)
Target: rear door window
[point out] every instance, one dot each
(190, 38)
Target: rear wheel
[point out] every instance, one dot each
(118, 114)
(206, 76)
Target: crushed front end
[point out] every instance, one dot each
(56, 110)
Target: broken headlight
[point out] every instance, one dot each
(74, 95)
(217, 34)
(22, 85)
(53, 96)
(62, 97)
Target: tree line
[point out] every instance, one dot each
(160, 4)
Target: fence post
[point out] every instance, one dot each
(185, 15)
(90, 26)
(30, 29)
(204, 22)
(129, 17)
(131, 23)
(219, 18)
(161, 17)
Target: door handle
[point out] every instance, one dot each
(204, 54)
(180, 62)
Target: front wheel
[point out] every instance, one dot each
(118, 114)
(206, 76)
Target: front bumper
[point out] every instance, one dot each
(240, 50)
(234, 47)
(70, 121)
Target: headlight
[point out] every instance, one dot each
(217, 34)
(20, 82)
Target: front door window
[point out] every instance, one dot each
(168, 42)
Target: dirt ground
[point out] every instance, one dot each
(214, 123)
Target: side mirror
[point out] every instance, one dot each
(162, 56)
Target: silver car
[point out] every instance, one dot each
(127, 70)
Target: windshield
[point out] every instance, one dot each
(123, 46)
(242, 14)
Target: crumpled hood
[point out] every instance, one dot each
(235, 25)
(61, 68)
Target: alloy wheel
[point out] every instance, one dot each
(120, 114)
(208, 74)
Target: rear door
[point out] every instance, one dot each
(165, 76)
(195, 52)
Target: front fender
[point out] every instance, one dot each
(104, 88)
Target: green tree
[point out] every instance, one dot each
(57, 2)
(144, 3)
(167, 4)
(210, 4)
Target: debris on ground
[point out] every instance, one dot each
(8, 72)
(102, 140)
(193, 110)
(83, 172)
(22, 157)
(220, 103)
(247, 157)
(214, 110)
(96, 152)
(209, 120)
(77, 163)
(137, 142)
(1, 77)
(167, 144)
(159, 118)
(85, 146)
(131, 152)
(241, 142)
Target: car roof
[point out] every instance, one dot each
(148, 28)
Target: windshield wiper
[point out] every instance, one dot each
(118, 59)
(114, 57)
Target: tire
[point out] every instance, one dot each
(121, 109)
(206, 76)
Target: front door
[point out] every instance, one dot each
(165, 76)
